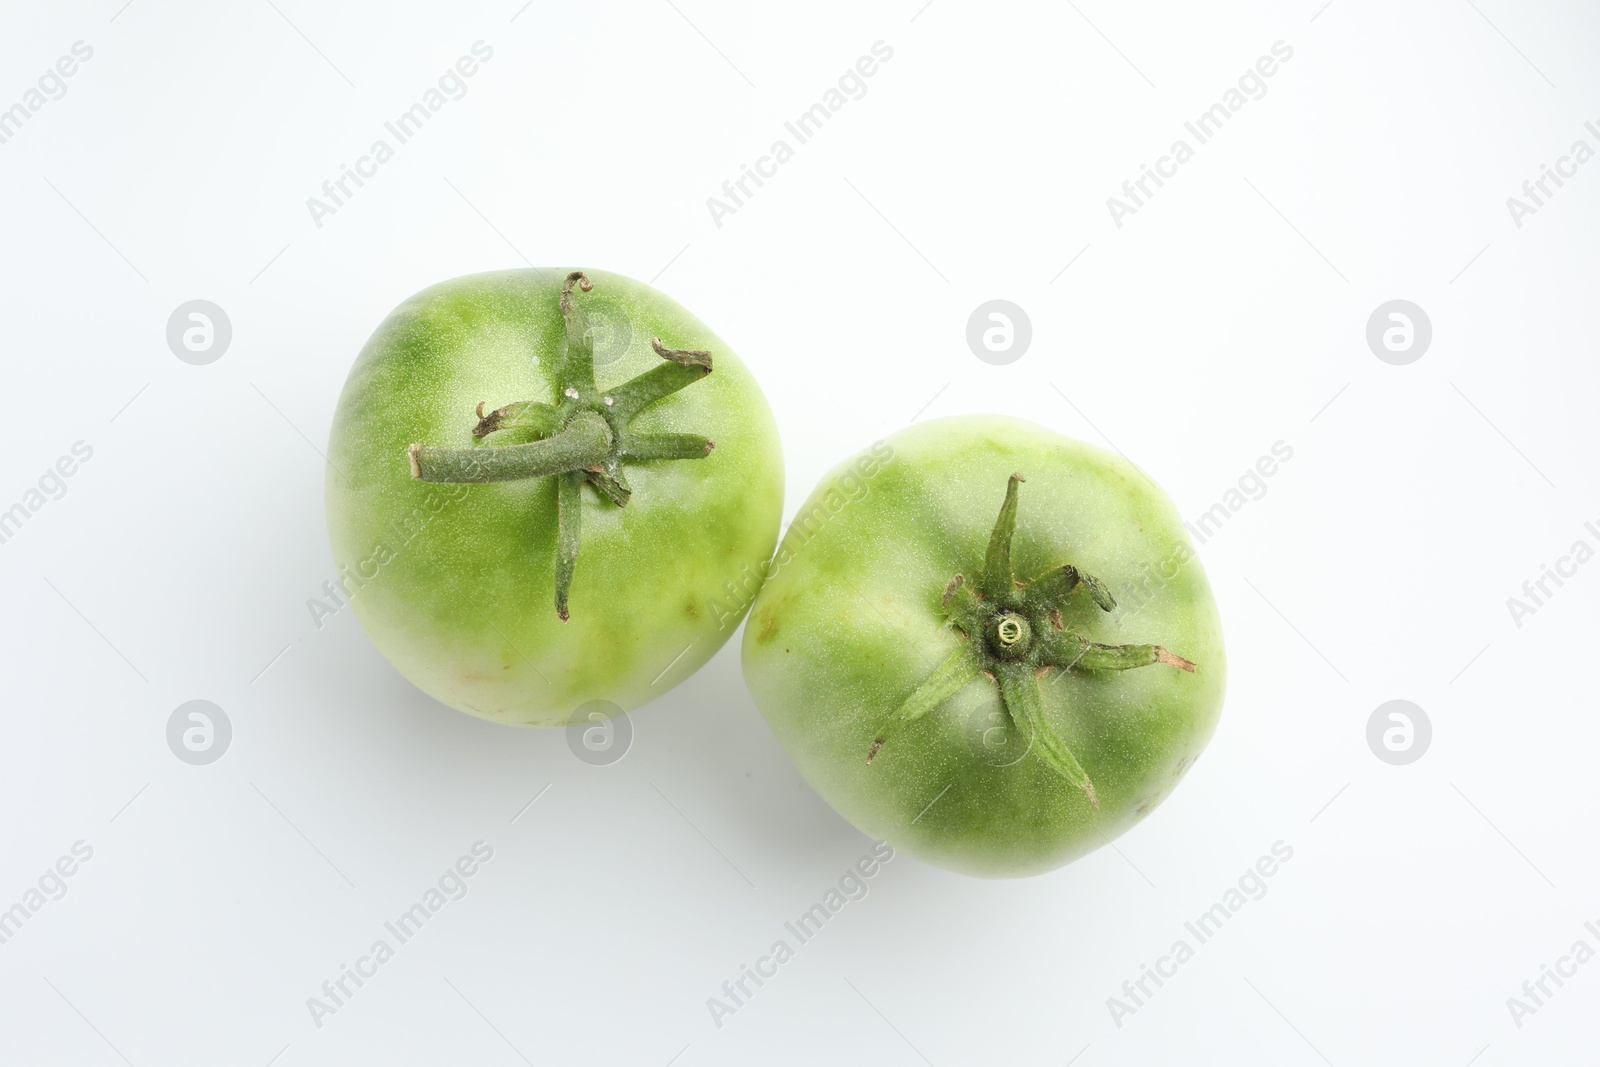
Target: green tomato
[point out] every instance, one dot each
(595, 537)
(963, 643)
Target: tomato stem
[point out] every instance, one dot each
(1008, 635)
(947, 679)
(583, 438)
(997, 583)
(1068, 651)
(578, 371)
(683, 368)
(1015, 633)
(583, 443)
(1019, 689)
(642, 446)
(1053, 587)
(569, 521)
(541, 419)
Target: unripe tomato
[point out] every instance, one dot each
(547, 488)
(989, 645)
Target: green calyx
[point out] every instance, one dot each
(585, 437)
(1014, 636)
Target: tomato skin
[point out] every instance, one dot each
(454, 583)
(850, 622)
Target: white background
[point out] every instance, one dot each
(1226, 315)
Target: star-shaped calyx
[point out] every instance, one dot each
(585, 437)
(1015, 635)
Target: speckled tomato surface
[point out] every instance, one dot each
(988, 644)
(587, 485)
